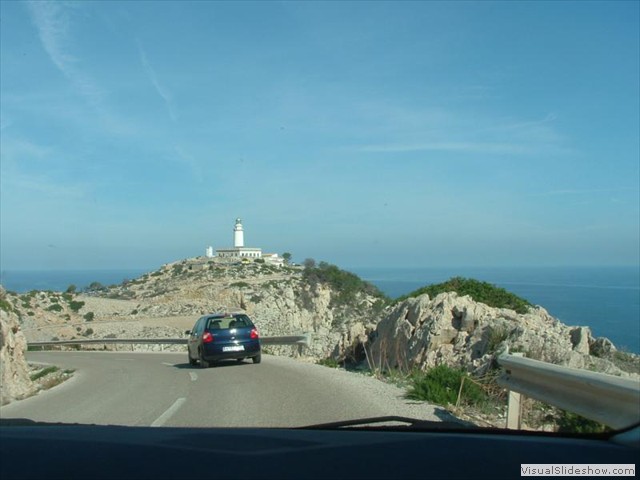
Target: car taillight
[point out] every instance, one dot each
(254, 333)
(207, 337)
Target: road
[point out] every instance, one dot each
(162, 389)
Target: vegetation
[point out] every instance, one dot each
(71, 289)
(5, 305)
(75, 306)
(347, 285)
(483, 292)
(55, 307)
(496, 337)
(239, 284)
(43, 372)
(89, 316)
(441, 385)
(287, 257)
(329, 362)
(95, 287)
(573, 423)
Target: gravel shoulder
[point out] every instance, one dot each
(385, 396)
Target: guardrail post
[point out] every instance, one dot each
(514, 406)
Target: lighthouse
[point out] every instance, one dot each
(238, 234)
(239, 250)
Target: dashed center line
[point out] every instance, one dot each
(162, 419)
(194, 376)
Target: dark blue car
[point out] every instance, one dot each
(223, 336)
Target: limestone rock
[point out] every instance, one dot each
(14, 371)
(454, 330)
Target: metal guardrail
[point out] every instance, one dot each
(613, 401)
(304, 340)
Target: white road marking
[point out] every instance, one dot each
(162, 419)
(194, 376)
(168, 364)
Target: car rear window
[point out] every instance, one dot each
(232, 321)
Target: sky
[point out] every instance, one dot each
(363, 134)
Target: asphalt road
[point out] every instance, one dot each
(162, 389)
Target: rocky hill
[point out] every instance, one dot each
(15, 381)
(454, 330)
(350, 320)
(336, 307)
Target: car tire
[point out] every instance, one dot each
(257, 358)
(203, 362)
(192, 361)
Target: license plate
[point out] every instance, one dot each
(233, 348)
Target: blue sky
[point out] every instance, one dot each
(364, 134)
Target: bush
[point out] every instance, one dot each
(482, 292)
(239, 284)
(89, 316)
(328, 362)
(43, 372)
(56, 307)
(441, 385)
(76, 306)
(71, 288)
(88, 331)
(6, 306)
(569, 422)
(347, 285)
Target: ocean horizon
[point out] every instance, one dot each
(606, 299)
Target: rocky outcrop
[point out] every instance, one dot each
(454, 330)
(14, 371)
(279, 300)
(418, 332)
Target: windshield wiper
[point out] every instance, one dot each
(406, 423)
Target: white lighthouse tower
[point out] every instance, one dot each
(238, 234)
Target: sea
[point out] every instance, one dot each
(606, 299)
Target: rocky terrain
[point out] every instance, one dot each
(15, 379)
(165, 303)
(350, 321)
(456, 331)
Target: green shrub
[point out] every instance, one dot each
(328, 362)
(347, 285)
(569, 422)
(88, 331)
(482, 292)
(441, 384)
(56, 307)
(89, 316)
(43, 372)
(240, 284)
(5, 305)
(95, 286)
(76, 306)
(496, 337)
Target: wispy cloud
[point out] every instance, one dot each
(20, 150)
(51, 19)
(465, 147)
(582, 191)
(190, 162)
(160, 89)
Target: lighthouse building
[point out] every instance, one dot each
(239, 250)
